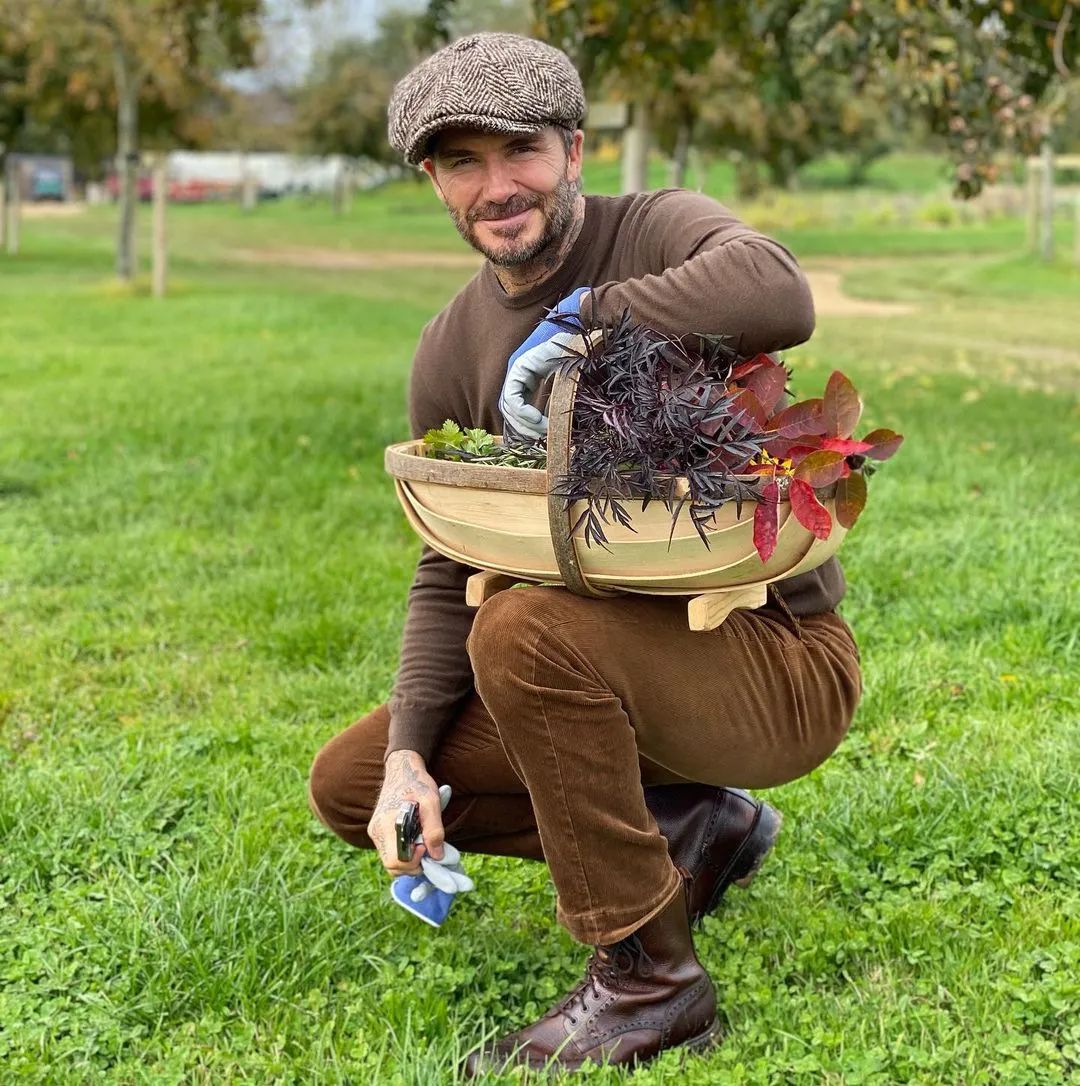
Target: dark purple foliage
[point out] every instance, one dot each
(649, 409)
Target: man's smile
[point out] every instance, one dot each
(509, 220)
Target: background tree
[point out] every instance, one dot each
(341, 109)
(445, 20)
(645, 53)
(985, 75)
(157, 53)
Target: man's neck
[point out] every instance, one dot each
(522, 277)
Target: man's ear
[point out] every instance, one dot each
(575, 156)
(429, 169)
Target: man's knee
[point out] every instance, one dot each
(340, 793)
(509, 624)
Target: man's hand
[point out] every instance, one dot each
(536, 359)
(406, 778)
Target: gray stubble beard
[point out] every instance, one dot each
(558, 217)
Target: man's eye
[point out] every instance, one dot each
(459, 161)
(525, 147)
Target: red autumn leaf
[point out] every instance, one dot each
(765, 521)
(748, 402)
(749, 366)
(800, 419)
(779, 446)
(809, 512)
(842, 406)
(821, 468)
(767, 383)
(845, 445)
(850, 498)
(797, 451)
(881, 444)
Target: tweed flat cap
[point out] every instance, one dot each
(493, 81)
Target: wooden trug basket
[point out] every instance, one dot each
(505, 522)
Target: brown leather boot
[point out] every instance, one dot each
(716, 837)
(640, 996)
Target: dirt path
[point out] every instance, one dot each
(50, 210)
(340, 260)
(831, 301)
(825, 282)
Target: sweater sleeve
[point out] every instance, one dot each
(434, 673)
(712, 274)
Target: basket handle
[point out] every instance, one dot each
(560, 512)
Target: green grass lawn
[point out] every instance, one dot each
(204, 572)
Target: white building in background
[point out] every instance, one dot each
(273, 173)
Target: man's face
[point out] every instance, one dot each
(510, 196)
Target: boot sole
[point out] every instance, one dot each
(709, 1039)
(757, 846)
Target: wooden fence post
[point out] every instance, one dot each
(160, 256)
(1046, 233)
(1034, 198)
(14, 209)
(1076, 228)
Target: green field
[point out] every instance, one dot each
(204, 572)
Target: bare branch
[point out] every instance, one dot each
(1059, 43)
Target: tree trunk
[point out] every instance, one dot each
(747, 178)
(782, 168)
(635, 163)
(697, 158)
(127, 159)
(681, 157)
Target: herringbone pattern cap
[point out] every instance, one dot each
(494, 81)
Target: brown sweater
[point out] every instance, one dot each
(683, 263)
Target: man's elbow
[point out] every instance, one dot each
(797, 314)
(784, 304)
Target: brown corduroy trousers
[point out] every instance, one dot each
(577, 704)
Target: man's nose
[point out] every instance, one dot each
(499, 184)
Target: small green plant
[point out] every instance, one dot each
(475, 445)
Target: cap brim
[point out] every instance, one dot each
(418, 150)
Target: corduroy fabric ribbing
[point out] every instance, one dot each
(578, 704)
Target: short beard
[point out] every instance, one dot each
(557, 209)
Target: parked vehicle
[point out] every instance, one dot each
(46, 183)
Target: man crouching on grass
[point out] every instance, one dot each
(600, 736)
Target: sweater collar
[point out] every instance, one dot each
(561, 282)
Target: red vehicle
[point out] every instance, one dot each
(192, 191)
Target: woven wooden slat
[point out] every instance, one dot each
(560, 516)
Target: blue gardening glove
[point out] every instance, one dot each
(429, 896)
(536, 359)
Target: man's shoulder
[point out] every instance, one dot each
(666, 201)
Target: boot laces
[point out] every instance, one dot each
(609, 966)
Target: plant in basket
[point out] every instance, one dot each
(653, 410)
(675, 422)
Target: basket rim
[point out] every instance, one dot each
(403, 462)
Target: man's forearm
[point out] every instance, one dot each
(750, 288)
(434, 674)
